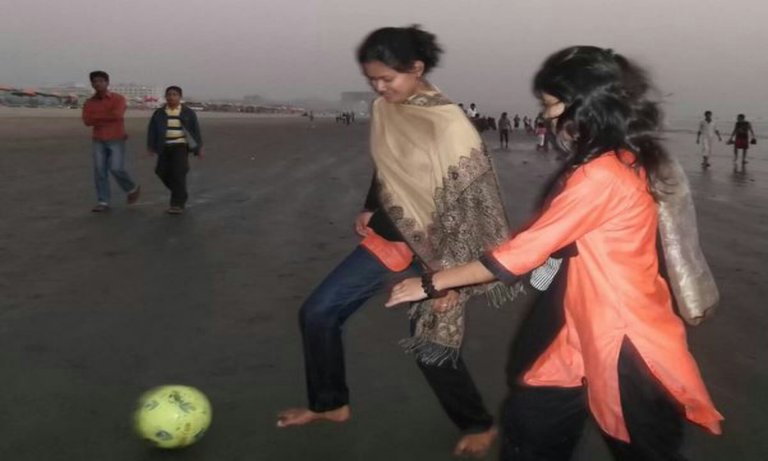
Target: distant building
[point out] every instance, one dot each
(358, 102)
(253, 99)
(142, 95)
(75, 93)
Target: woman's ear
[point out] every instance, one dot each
(418, 68)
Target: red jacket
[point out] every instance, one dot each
(105, 115)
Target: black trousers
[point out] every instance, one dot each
(504, 136)
(545, 423)
(458, 395)
(172, 168)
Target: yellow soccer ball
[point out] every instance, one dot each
(172, 416)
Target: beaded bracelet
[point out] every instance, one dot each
(429, 288)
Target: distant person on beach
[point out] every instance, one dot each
(527, 124)
(618, 353)
(172, 135)
(706, 136)
(541, 137)
(104, 111)
(433, 202)
(472, 112)
(517, 121)
(740, 138)
(505, 126)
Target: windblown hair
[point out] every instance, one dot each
(400, 47)
(608, 107)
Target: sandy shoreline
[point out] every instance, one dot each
(95, 309)
(60, 112)
(676, 126)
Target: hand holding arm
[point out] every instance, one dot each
(468, 274)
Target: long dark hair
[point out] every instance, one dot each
(400, 47)
(609, 106)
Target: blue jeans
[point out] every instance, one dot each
(345, 290)
(109, 156)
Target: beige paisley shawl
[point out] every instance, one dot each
(437, 185)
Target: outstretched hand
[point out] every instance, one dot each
(408, 290)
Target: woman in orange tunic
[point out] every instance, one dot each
(621, 353)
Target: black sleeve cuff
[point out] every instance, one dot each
(497, 269)
(372, 198)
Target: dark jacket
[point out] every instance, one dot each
(158, 125)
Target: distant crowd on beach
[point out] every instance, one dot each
(505, 125)
(741, 138)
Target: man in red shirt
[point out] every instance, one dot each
(104, 112)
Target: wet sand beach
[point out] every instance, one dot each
(95, 308)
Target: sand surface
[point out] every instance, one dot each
(97, 308)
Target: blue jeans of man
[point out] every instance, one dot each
(109, 157)
(345, 290)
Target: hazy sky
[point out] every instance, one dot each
(707, 54)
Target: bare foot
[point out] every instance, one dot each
(476, 445)
(302, 416)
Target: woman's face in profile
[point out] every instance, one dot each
(392, 85)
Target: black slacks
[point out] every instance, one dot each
(172, 168)
(545, 423)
